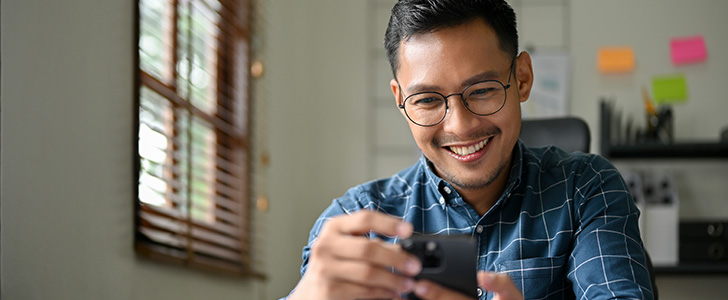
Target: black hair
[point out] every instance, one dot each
(410, 17)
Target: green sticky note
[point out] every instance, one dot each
(669, 89)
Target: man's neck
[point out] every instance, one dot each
(483, 199)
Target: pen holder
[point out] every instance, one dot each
(660, 125)
(660, 217)
(656, 198)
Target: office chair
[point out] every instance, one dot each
(570, 134)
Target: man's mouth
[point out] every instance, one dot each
(467, 150)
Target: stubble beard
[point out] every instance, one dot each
(478, 183)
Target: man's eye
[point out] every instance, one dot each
(483, 91)
(427, 101)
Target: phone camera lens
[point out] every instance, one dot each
(431, 246)
(431, 258)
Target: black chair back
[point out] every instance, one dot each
(568, 133)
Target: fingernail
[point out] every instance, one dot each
(489, 278)
(421, 289)
(413, 266)
(404, 229)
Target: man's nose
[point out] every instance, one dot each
(459, 119)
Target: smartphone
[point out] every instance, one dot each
(449, 260)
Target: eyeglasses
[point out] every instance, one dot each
(482, 98)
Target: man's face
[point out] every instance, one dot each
(446, 61)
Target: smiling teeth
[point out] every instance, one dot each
(462, 151)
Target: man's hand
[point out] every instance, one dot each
(346, 265)
(500, 284)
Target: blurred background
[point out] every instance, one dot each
(323, 120)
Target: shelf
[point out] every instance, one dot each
(694, 269)
(654, 149)
(678, 150)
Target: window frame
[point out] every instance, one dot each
(231, 127)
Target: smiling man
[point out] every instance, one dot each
(548, 224)
(467, 136)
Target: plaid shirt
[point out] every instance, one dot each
(564, 228)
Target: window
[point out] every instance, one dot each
(193, 133)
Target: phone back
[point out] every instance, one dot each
(449, 260)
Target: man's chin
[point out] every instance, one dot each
(473, 181)
(470, 184)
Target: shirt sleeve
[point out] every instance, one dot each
(608, 258)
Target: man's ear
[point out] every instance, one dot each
(395, 90)
(394, 85)
(524, 75)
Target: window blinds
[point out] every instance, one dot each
(192, 138)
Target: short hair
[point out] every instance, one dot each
(411, 17)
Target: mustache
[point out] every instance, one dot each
(478, 135)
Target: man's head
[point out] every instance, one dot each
(457, 51)
(411, 17)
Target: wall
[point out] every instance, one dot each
(315, 96)
(648, 27)
(66, 172)
(67, 113)
(65, 121)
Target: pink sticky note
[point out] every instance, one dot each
(690, 49)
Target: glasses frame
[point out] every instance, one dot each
(462, 98)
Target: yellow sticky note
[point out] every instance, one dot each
(615, 59)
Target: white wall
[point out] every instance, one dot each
(647, 26)
(66, 171)
(315, 95)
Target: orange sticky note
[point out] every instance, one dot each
(690, 49)
(615, 59)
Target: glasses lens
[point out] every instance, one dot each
(485, 98)
(425, 108)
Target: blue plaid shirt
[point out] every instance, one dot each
(564, 228)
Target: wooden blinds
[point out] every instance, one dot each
(192, 138)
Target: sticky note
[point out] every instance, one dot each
(669, 89)
(690, 49)
(615, 59)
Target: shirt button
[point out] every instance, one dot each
(480, 292)
(442, 201)
(479, 229)
(447, 190)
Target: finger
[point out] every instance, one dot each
(364, 221)
(314, 286)
(348, 290)
(425, 289)
(363, 274)
(375, 252)
(499, 283)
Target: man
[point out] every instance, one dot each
(549, 225)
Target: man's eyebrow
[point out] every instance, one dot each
(487, 75)
(423, 87)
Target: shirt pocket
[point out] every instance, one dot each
(539, 277)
